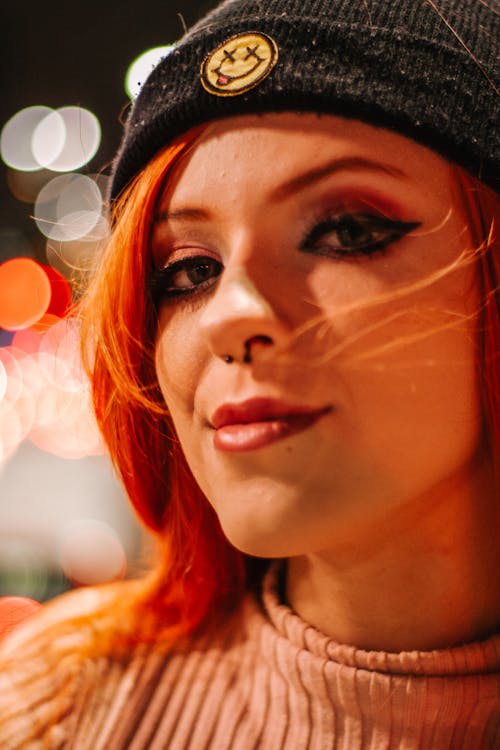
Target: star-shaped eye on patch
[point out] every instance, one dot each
(238, 64)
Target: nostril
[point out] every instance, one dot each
(266, 340)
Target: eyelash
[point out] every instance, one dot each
(385, 230)
(388, 231)
(160, 284)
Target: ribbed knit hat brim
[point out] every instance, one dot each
(428, 70)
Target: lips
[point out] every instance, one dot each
(258, 422)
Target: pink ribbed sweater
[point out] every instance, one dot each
(267, 680)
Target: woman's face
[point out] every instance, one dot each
(316, 254)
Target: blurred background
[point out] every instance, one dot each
(70, 72)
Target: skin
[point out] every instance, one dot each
(384, 506)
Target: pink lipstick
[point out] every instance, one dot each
(258, 422)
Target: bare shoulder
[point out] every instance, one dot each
(44, 666)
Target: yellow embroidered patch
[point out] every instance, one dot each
(239, 64)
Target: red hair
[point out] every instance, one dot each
(200, 574)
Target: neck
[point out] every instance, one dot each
(426, 578)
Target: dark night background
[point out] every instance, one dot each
(65, 54)
(60, 54)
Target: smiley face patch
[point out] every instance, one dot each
(238, 64)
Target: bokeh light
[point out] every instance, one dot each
(44, 395)
(48, 139)
(17, 135)
(13, 371)
(27, 340)
(66, 139)
(3, 380)
(68, 207)
(35, 383)
(25, 294)
(91, 553)
(59, 355)
(25, 186)
(17, 407)
(14, 610)
(66, 426)
(75, 259)
(65, 423)
(12, 428)
(47, 395)
(142, 66)
(39, 137)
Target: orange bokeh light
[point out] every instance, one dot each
(26, 293)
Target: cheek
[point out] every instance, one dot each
(438, 405)
(177, 363)
(408, 367)
(422, 394)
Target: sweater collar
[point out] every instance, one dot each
(476, 658)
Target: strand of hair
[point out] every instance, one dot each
(465, 46)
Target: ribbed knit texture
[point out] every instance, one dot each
(267, 680)
(429, 70)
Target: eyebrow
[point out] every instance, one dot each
(182, 213)
(296, 184)
(316, 174)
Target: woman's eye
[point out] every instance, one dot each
(355, 234)
(184, 276)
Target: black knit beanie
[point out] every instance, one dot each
(427, 69)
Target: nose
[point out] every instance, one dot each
(240, 322)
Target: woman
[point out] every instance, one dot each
(294, 353)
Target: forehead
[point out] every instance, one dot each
(259, 152)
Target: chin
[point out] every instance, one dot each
(265, 539)
(256, 547)
(273, 515)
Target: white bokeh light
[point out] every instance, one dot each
(68, 207)
(142, 66)
(3, 380)
(78, 224)
(91, 552)
(78, 257)
(49, 138)
(17, 136)
(39, 137)
(80, 193)
(82, 138)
